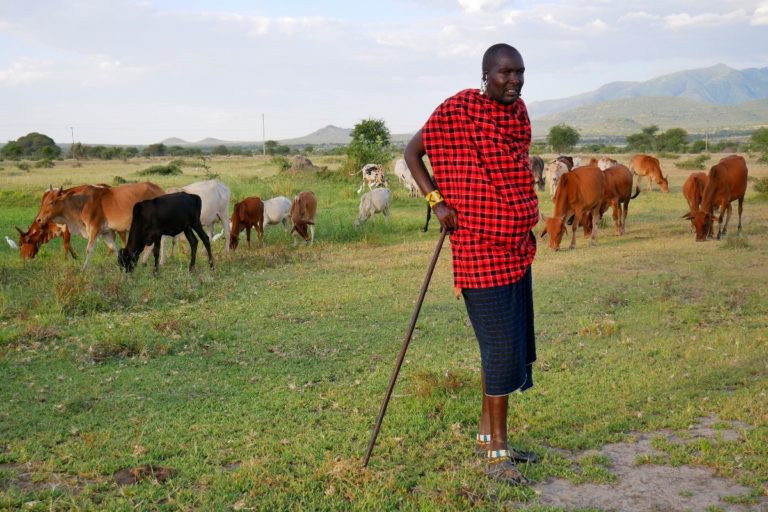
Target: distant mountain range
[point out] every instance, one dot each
(699, 100)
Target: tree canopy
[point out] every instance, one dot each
(370, 145)
(371, 131)
(33, 145)
(563, 138)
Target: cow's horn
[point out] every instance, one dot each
(19, 230)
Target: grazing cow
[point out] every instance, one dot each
(303, 212)
(537, 169)
(555, 170)
(648, 166)
(404, 175)
(604, 163)
(579, 193)
(96, 210)
(167, 215)
(31, 240)
(727, 182)
(373, 202)
(617, 192)
(277, 211)
(693, 190)
(247, 214)
(373, 176)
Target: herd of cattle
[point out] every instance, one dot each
(143, 213)
(581, 194)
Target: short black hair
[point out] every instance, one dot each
(493, 52)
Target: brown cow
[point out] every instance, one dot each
(617, 193)
(727, 182)
(97, 210)
(579, 192)
(303, 211)
(648, 166)
(31, 240)
(247, 214)
(693, 191)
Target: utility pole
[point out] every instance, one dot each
(263, 137)
(72, 149)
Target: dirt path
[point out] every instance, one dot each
(654, 487)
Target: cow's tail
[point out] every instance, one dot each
(637, 192)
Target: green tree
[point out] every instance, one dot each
(562, 138)
(698, 146)
(77, 151)
(371, 131)
(643, 141)
(674, 139)
(33, 145)
(221, 149)
(155, 150)
(370, 145)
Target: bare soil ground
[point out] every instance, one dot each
(643, 486)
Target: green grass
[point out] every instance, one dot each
(258, 383)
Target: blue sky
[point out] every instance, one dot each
(137, 72)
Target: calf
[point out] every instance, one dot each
(166, 215)
(303, 211)
(579, 193)
(31, 240)
(648, 166)
(555, 170)
(727, 182)
(373, 202)
(693, 191)
(247, 214)
(277, 211)
(537, 169)
(373, 176)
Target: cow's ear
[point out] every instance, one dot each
(50, 187)
(19, 230)
(543, 233)
(61, 189)
(688, 216)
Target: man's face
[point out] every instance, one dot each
(506, 77)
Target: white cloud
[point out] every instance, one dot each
(760, 16)
(472, 6)
(24, 71)
(684, 20)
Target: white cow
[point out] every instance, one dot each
(605, 162)
(373, 176)
(215, 198)
(373, 202)
(555, 169)
(403, 173)
(277, 210)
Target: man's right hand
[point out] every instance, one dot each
(448, 217)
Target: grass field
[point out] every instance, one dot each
(256, 385)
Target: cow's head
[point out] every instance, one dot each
(127, 259)
(234, 240)
(302, 229)
(555, 228)
(702, 223)
(51, 205)
(29, 242)
(663, 184)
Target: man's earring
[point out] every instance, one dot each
(483, 85)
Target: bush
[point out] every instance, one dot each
(763, 158)
(24, 166)
(280, 162)
(171, 169)
(761, 186)
(693, 164)
(45, 163)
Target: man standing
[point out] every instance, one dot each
(477, 142)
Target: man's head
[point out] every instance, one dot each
(503, 73)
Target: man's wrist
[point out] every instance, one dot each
(434, 198)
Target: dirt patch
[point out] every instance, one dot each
(26, 478)
(132, 476)
(654, 487)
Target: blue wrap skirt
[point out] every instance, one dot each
(502, 317)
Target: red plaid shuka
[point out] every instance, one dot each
(478, 149)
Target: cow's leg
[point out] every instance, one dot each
(225, 226)
(741, 208)
(311, 233)
(67, 236)
(722, 228)
(429, 216)
(595, 222)
(156, 250)
(624, 218)
(148, 249)
(193, 244)
(616, 207)
(260, 231)
(206, 242)
(248, 235)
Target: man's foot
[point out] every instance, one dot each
(517, 456)
(502, 469)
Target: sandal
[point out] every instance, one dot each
(501, 468)
(483, 445)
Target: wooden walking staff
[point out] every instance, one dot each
(406, 342)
